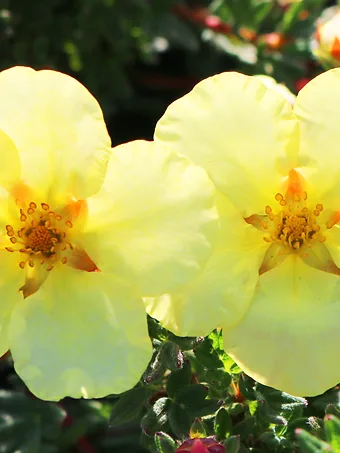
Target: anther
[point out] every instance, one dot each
(49, 268)
(33, 205)
(283, 202)
(58, 217)
(68, 223)
(316, 212)
(30, 211)
(64, 259)
(45, 206)
(22, 264)
(278, 197)
(9, 228)
(31, 263)
(319, 207)
(304, 196)
(9, 249)
(13, 240)
(10, 233)
(23, 218)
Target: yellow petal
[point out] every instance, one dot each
(80, 335)
(317, 108)
(58, 129)
(243, 133)
(153, 221)
(10, 280)
(10, 168)
(290, 337)
(224, 289)
(279, 88)
(333, 244)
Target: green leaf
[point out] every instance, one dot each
(331, 409)
(27, 424)
(180, 420)
(232, 444)
(129, 406)
(207, 355)
(222, 424)
(171, 356)
(279, 400)
(291, 16)
(164, 443)
(156, 417)
(178, 379)
(311, 444)
(194, 399)
(330, 397)
(219, 381)
(332, 429)
(247, 387)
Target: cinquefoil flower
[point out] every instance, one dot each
(82, 239)
(273, 281)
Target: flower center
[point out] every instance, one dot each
(294, 225)
(40, 236)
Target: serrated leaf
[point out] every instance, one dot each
(164, 443)
(178, 379)
(129, 406)
(330, 397)
(208, 356)
(332, 429)
(246, 385)
(222, 424)
(194, 399)
(180, 420)
(171, 355)
(278, 399)
(219, 381)
(156, 417)
(232, 444)
(185, 343)
(311, 444)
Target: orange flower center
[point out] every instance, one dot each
(295, 225)
(41, 235)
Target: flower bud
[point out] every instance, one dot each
(326, 45)
(207, 445)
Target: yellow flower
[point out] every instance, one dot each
(273, 281)
(326, 43)
(270, 82)
(83, 234)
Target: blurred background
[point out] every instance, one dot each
(136, 57)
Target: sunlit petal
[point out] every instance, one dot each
(224, 289)
(317, 108)
(58, 129)
(153, 221)
(243, 133)
(289, 338)
(81, 335)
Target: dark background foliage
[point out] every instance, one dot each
(137, 56)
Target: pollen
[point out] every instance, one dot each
(293, 224)
(40, 236)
